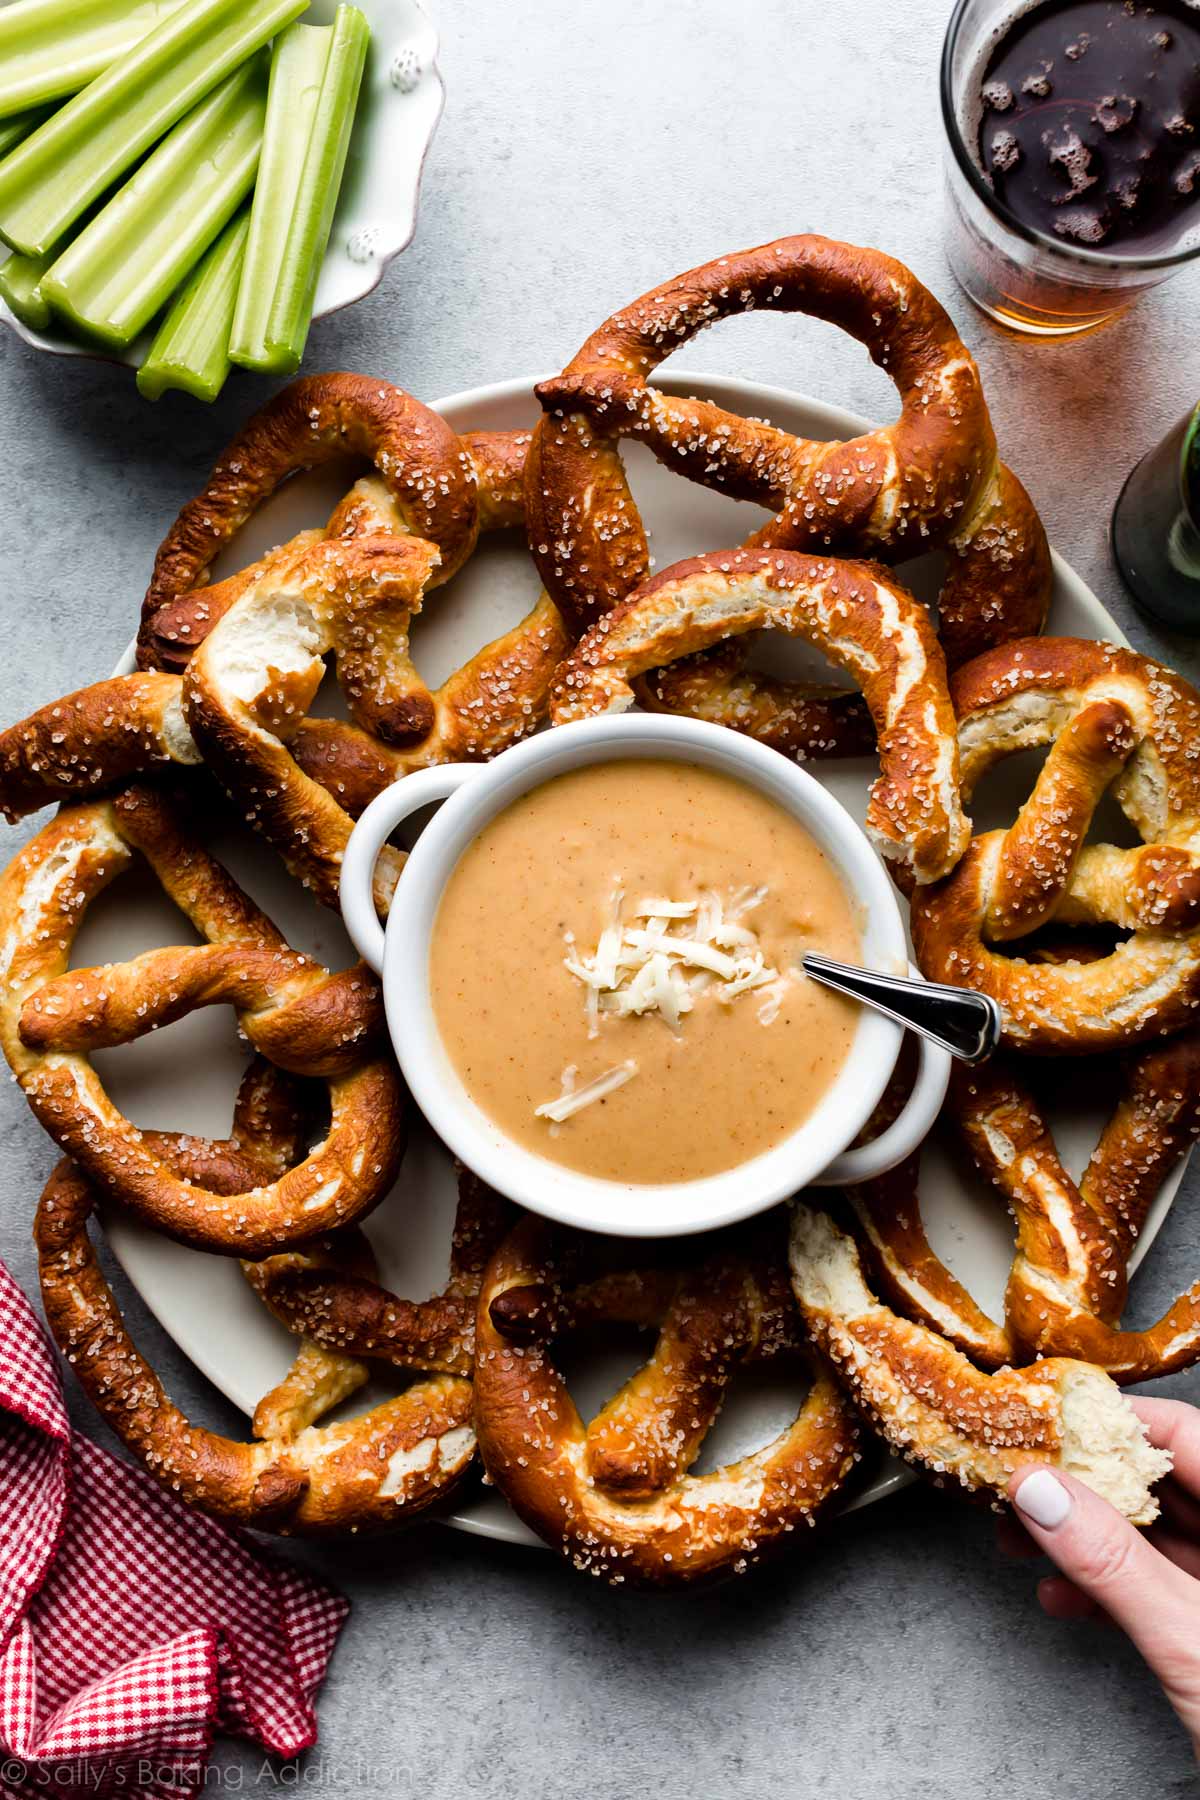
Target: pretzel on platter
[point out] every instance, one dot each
(291, 1009)
(932, 480)
(1113, 720)
(941, 1412)
(376, 1470)
(272, 1119)
(441, 487)
(248, 687)
(854, 612)
(1068, 1283)
(616, 1496)
(350, 590)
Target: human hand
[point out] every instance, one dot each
(1147, 1583)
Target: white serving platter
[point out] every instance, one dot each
(399, 106)
(184, 1078)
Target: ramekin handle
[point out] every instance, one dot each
(374, 828)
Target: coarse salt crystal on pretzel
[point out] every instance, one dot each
(1113, 720)
(931, 480)
(616, 1496)
(936, 1408)
(858, 616)
(291, 1009)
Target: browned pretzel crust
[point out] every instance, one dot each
(305, 1019)
(1067, 1287)
(941, 1412)
(858, 616)
(350, 591)
(426, 470)
(1112, 719)
(93, 739)
(321, 1294)
(250, 683)
(370, 1472)
(931, 480)
(616, 1496)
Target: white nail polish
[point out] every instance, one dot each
(1044, 1499)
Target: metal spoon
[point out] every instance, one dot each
(965, 1023)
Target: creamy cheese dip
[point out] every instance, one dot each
(614, 971)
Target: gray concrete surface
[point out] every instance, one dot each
(586, 152)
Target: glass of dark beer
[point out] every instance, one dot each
(1072, 155)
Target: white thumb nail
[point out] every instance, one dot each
(1044, 1499)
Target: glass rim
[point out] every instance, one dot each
(1090, 259)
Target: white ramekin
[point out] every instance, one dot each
(814, 1154)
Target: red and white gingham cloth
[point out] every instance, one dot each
(131, 1628)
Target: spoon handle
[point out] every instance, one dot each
(965, 1023)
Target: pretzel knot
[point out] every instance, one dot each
(351, 589)
(616, 1496)
(931, 480)
(1112, 719)
(1067, 1286)
(854, 612)
(250, 683)
(939, 1410)
(378, 1469)
(441, 487)
(292, 1010)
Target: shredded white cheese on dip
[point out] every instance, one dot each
(660, 959)
(611, 968)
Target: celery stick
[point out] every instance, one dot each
(15, 130)
(112, 278)
(297, 65)
(52, 48)
(316, 196)
(191, 350)
(20, 288)
(50, 179)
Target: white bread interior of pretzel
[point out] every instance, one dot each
(939, 1410)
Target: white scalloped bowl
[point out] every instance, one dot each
(398, 110)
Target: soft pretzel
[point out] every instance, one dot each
(92, 739)
(291, 1010)
(616, 1496)
(931, 480)
(1067, 1287)
(443, 488)
(318, 1378)
(934, 1406)
(494, 462)
(854, 612)
(376, 1470)
(1112, 719)
(250, 683)
(352, 590)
